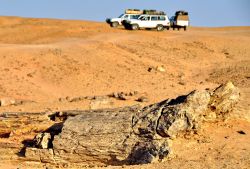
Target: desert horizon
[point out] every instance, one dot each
(51, 67)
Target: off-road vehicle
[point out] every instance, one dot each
(180, 20)
(129, 14)
(148, 21)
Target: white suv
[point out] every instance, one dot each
(158, 22)
(114, 22)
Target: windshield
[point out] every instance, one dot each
(134, 16)
(121, 16)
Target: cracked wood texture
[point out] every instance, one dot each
(134, 135)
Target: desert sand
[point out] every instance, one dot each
(53, 65)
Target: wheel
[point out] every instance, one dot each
(185, 28)
(159, 28)
(114, 24)
(134, 27)
(167, 28)
(178, 28)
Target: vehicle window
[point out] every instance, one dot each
(162, 18)
(145, 18)
(121, 16)
(125, 16)
(154, 18)
(134, 16)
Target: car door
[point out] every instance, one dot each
(144, 21)
(154, 21)
(125, 17)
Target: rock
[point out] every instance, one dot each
(121, 95)
(142, 99)
(241, 132)
(161, 68)
(43, 141)
(182, 83)
(41, 155)
(77, 99)
(134, 135)
(133, 93)
(62, 99)
(150, 69)
(157, 69)
(7, 101)
(224, 99)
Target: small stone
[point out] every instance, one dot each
(62, 99)
(116, 95)
(67, 98)
(241, 132)
(182, 83)
(122, 96)
(77, 99)
(43, 140)
(161, 68)
(131, 93)
(150, 69)
(142, 99)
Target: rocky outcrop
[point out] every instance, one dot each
(134, 135)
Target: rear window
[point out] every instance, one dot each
(161, 18)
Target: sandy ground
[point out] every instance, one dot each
(45, 62)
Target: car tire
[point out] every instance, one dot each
(134, 27)
(114, 24)
(159, 27)
(185, 28)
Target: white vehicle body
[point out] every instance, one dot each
(149, 21)
(114, 22)
(180, 20)
(181, 23)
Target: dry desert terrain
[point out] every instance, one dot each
(49, 65)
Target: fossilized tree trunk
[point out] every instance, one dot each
(134, 135)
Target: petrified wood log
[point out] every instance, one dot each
(134, 135)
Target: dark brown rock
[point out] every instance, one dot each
(142, 99)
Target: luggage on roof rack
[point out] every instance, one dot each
(181, 13)
(133, 11)
(182, 18)
(153, 12)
